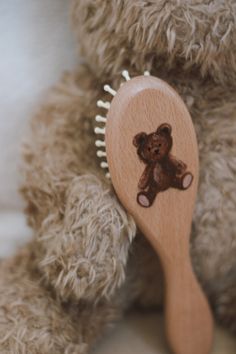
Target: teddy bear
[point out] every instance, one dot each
(87, 262)
(162, 170)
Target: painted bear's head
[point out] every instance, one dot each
(154, 146)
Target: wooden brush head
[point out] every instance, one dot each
(140, 107)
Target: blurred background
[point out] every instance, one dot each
(36, 46)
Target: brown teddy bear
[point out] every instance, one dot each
(163, 170)
(87, 263)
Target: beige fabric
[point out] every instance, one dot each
(144, 334)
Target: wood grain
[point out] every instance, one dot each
(142, 104)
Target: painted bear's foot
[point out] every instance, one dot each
(143, 200)
(187, 180)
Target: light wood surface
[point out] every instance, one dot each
(142, 104)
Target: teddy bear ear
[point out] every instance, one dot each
(139, 139)
(164, 128)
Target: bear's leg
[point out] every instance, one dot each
(33, 320)
(146, 199)
(183, 182)
(187, 179)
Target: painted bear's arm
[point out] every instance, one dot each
(179, 165)
(82, 233)
(145, 178)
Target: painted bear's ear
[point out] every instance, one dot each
(139, 139)
(164, 128)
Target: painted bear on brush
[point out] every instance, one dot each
(162, 169)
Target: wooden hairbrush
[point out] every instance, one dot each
(152, 156)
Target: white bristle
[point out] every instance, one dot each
(98, 130)
(110, 90)
(104, 164)
(108, 175)
(101, 119)
(146, 73)
(125, 74)
(103, 104)
(101, 153)
(100, 143)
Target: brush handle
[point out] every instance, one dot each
(188, 318)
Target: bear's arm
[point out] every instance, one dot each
(82, 233)
(144, 180)
(179, 166)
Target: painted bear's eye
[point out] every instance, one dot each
(159, 145)
(149, 149)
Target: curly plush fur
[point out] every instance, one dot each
(84, 267)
